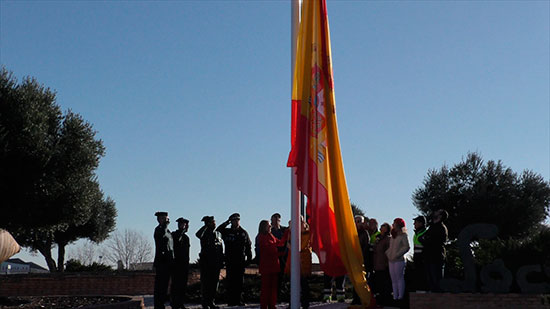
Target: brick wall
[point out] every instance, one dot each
(131, 283)
(477, 301)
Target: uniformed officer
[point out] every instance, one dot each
(211, 260)
(418, 256)
(181, 267)
(238, 254)
(164, 258)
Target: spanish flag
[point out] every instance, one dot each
(316, 154)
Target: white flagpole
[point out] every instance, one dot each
(294, 196)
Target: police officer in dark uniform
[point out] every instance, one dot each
(181, 267)
(164, 259)
(238, 254)
(420, 281)
(211, 260)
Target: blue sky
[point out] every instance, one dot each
(192, 98)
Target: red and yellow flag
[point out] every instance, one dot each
(316, 153)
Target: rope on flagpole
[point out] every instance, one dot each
(294, 196)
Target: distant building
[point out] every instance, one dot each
(18, 266)
(141, 266)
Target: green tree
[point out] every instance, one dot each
(77, 266)
(474, 191)
(356, 210)
(100, 224)
(47, 170)
(29, 121)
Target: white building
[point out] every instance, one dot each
(18, 266)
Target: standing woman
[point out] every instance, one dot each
(399, 246)
(269, 264)
(382, 281)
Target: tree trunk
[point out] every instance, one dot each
(47, 253)
(61, 256)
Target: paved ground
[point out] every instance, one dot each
(149, 305)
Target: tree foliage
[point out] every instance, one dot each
(474, 191)
(76, 266)
(516, 252)
(356, 210)
(97, 228)
(50, 193)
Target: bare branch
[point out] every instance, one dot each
(128, 246)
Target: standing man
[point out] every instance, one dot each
(418, 256)
(276, 228)
(279, 231)
(434, 249)
(364, 241)
(238, 254)
(372, 227)
(373, 230)
(181, 267)
(211, 261)
(164, 258)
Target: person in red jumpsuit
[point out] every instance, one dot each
(269, 264)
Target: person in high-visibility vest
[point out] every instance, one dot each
(372, 228)
(420, 283)
(373, 232)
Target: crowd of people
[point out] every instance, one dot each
(383, 252)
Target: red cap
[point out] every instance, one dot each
(399, 221)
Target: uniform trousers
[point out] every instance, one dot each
(420, 275)
(234, 287)
(179, 285)
(210, 275)
(162, 278)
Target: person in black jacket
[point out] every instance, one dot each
(211, 260)
(434, 249)
(279, 231)
(238, 254)
(181, 267)
(364, 241)
(164, 259)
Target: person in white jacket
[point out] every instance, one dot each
(399, 246)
